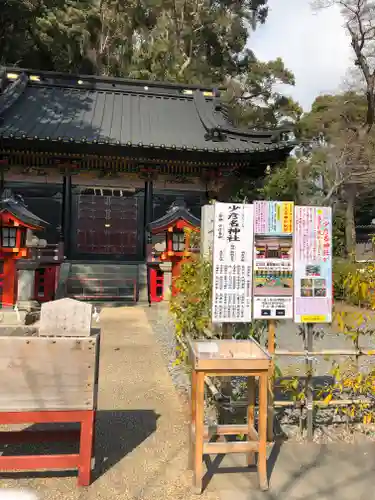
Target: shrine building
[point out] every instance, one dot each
(117, 169)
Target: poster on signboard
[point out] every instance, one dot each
(232, 263)
(273, 266)
(313, 265)
(273, 218)
(273, 260)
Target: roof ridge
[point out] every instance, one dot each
(115, 90)
(111, 80)
(11, 93)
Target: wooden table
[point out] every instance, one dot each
(235, 358)
(84, 436)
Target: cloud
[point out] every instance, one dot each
(314, 45)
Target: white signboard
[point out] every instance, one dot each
(273, 307)
(313, 265)
(232, 263)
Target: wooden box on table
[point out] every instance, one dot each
(51, 377)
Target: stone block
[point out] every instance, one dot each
(65, 318)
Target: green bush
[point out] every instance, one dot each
(191, 307)
(341, 270)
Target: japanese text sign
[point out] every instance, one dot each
(273, 218)
(232, 263)
(313, 265)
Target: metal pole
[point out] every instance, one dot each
(226, 382)
(308, 340)
(148, 216)
(67, 213)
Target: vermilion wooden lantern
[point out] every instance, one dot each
(15, 221)
(177, 240)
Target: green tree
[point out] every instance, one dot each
(352, 150)
(253, 96)
(155, 39)
(344, 155)
(45, 34)
(282, 183)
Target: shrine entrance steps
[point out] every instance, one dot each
(101, 282)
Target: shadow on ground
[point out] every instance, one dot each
(117, 433)
(309, 472)
(215, 466)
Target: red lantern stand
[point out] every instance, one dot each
(177, 257)
(13, 247)
(177, 224)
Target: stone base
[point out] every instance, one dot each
(65, 269)
(142, 283)
(28, 305)
(17, 330)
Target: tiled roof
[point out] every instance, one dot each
(177, 211)
(126, 113)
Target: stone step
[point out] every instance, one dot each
(103, 281)
(95, 269)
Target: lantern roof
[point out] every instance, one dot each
(177, 211)
(14, 205)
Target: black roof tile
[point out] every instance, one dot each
(17, 208)
(123, 112)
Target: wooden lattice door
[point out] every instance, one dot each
(107, 225)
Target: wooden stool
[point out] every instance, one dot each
(228, 358)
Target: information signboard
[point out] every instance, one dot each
(232, 263)
(313, 265)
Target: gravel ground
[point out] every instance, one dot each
(162, 326)
(141, 433)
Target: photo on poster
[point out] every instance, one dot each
(273, 266)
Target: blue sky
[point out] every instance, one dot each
(312, 44)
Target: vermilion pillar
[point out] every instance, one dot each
(9, 282)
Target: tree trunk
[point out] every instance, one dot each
(350, 236)
(301, 197)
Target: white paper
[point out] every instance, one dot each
(273, 308)
(207, 348)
